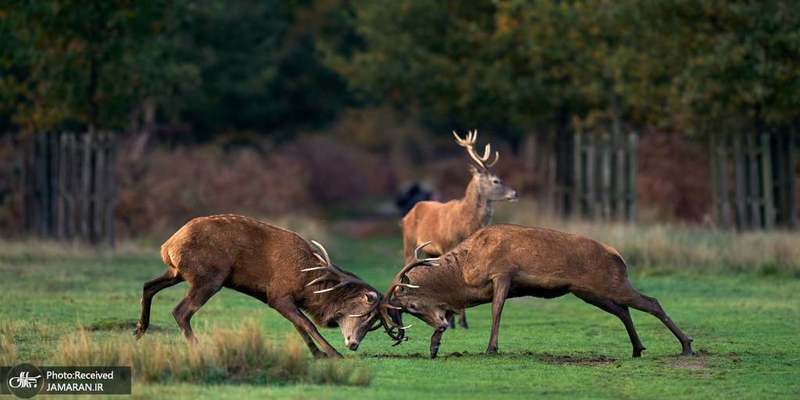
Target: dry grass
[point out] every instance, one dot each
(234, 355)
(8, 351)
(672, 247)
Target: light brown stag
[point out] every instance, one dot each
(273, 265)
(445, 225)
(502, 261)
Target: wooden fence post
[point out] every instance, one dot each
(577, 175)
(791, 157)
(767, 182)
(633, 160)
(68, 185)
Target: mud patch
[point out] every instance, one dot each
(576, 360)
(399, 356)
(695, 362)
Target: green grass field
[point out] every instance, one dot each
(745, 327)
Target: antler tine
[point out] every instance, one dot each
(468, 142)
(496, 157)
(465, 142)
(416, 251)
(324, 252)
(332, 273)
(334, 287)
(487, 150)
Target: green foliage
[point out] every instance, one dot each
(214, 65)
(684, 64)
(509, 65)
(75, 63)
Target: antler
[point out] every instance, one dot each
(469, 143)
(394, 330)
(332, 273)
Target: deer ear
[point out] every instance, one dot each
(371, 297)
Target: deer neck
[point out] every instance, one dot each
(476, 208)
(444, 283)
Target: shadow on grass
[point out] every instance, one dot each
(697, 361)
(590, 359)
(113, 324)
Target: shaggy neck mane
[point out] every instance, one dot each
(443, 282)
(322, 307)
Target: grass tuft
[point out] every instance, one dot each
(8, 351)
(234, 355)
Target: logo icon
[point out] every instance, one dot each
(25, 381)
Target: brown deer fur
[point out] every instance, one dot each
(265, 262)
(502, 261)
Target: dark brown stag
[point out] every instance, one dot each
(502, 261)
(445, 225)
(273, 265)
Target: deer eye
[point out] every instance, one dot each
(496, 181)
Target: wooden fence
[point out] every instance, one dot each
(596, 176)
(68, 186)
(753, 178)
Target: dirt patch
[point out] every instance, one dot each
(405, 356)
(576, 360)
(696, 362)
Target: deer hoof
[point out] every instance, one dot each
(491, 351)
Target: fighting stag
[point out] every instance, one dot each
(502, 261)
(273, 265)
(446, 224)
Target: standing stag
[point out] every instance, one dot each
(273, 265)
(445, 225)
(502, 261)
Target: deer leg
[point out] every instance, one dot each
(500, 284)
(622, 313)
(651, 305)
(310, 343)
(170, 278)
(198, 296)
(463, 320)
(435, 339)
(289, 310)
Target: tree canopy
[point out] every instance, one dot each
(514, 66)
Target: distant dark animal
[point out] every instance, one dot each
(502, 261)
(446, 224)
(411, 196)
(273, 265)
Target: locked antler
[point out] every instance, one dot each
(393, 329)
